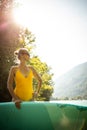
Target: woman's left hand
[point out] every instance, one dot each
(35, 95)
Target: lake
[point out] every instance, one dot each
(74, 102)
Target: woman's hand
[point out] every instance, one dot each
(35, 95)
(17, 102)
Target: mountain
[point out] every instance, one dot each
(73, 83)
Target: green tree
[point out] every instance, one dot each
(9, 33)
(13, 37)
(47, 84)
(28, 39)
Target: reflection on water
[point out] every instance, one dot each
(64, 121)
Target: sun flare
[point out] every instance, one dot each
(59, 28)
(23, 15)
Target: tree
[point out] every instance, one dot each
(9, 33)
(12, 37)
(27, 39)
(44, 71)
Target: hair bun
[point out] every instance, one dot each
(16, 53)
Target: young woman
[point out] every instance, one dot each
(22, 76)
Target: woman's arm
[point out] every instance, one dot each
(10, 87)
(38, 77)
(10, 83)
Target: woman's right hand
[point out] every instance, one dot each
(17, 102)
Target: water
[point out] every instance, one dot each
(74, 102)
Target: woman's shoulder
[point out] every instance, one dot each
(30, 67)
(33, 69)
(14, 68)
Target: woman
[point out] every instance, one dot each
(22, 75)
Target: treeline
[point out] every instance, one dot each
(70, 98)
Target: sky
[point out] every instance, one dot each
(60, 27)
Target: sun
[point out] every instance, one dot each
(23, 15)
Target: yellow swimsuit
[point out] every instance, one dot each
(24, 88)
